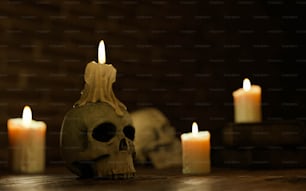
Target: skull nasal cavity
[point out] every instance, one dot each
(104, 132)
(123, 145)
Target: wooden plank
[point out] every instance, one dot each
(279, 133)
(274, 157)
(59, 178)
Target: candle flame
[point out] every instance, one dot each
(101, 53)
(246, 84)
(195, 129)
(27, 116)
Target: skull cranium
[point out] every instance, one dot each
(155, 139)
(96, 142)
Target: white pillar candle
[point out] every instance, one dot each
(247, 103)
(27, 143)
(196, 151)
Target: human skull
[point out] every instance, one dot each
(155, 139)
(96, 142)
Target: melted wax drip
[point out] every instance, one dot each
(98, 86)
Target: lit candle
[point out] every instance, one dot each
(196, 151)
(247, 103)
(99, 78)
(27, 143)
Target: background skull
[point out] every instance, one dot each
(96, 142)
(155, 139)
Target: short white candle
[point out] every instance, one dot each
(196, 151)
(27, 143)
(247, 103)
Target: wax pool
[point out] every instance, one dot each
(27, 143)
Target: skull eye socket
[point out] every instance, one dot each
(129, 132)
(104, 132)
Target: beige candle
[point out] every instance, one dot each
(247, 103)
(27, 143)
(99, 78)
(196, 151)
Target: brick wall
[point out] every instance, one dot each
(183, 57)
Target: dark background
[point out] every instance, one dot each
(182, 57)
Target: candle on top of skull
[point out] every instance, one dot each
(99, 78)
(97, 134)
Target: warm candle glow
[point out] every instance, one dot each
(27, 142)
(196, 151)
(27, 116)
(101, 53)
(246, 84)
(247, 103)
(195, 129)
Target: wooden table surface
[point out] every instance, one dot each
(58, 178)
